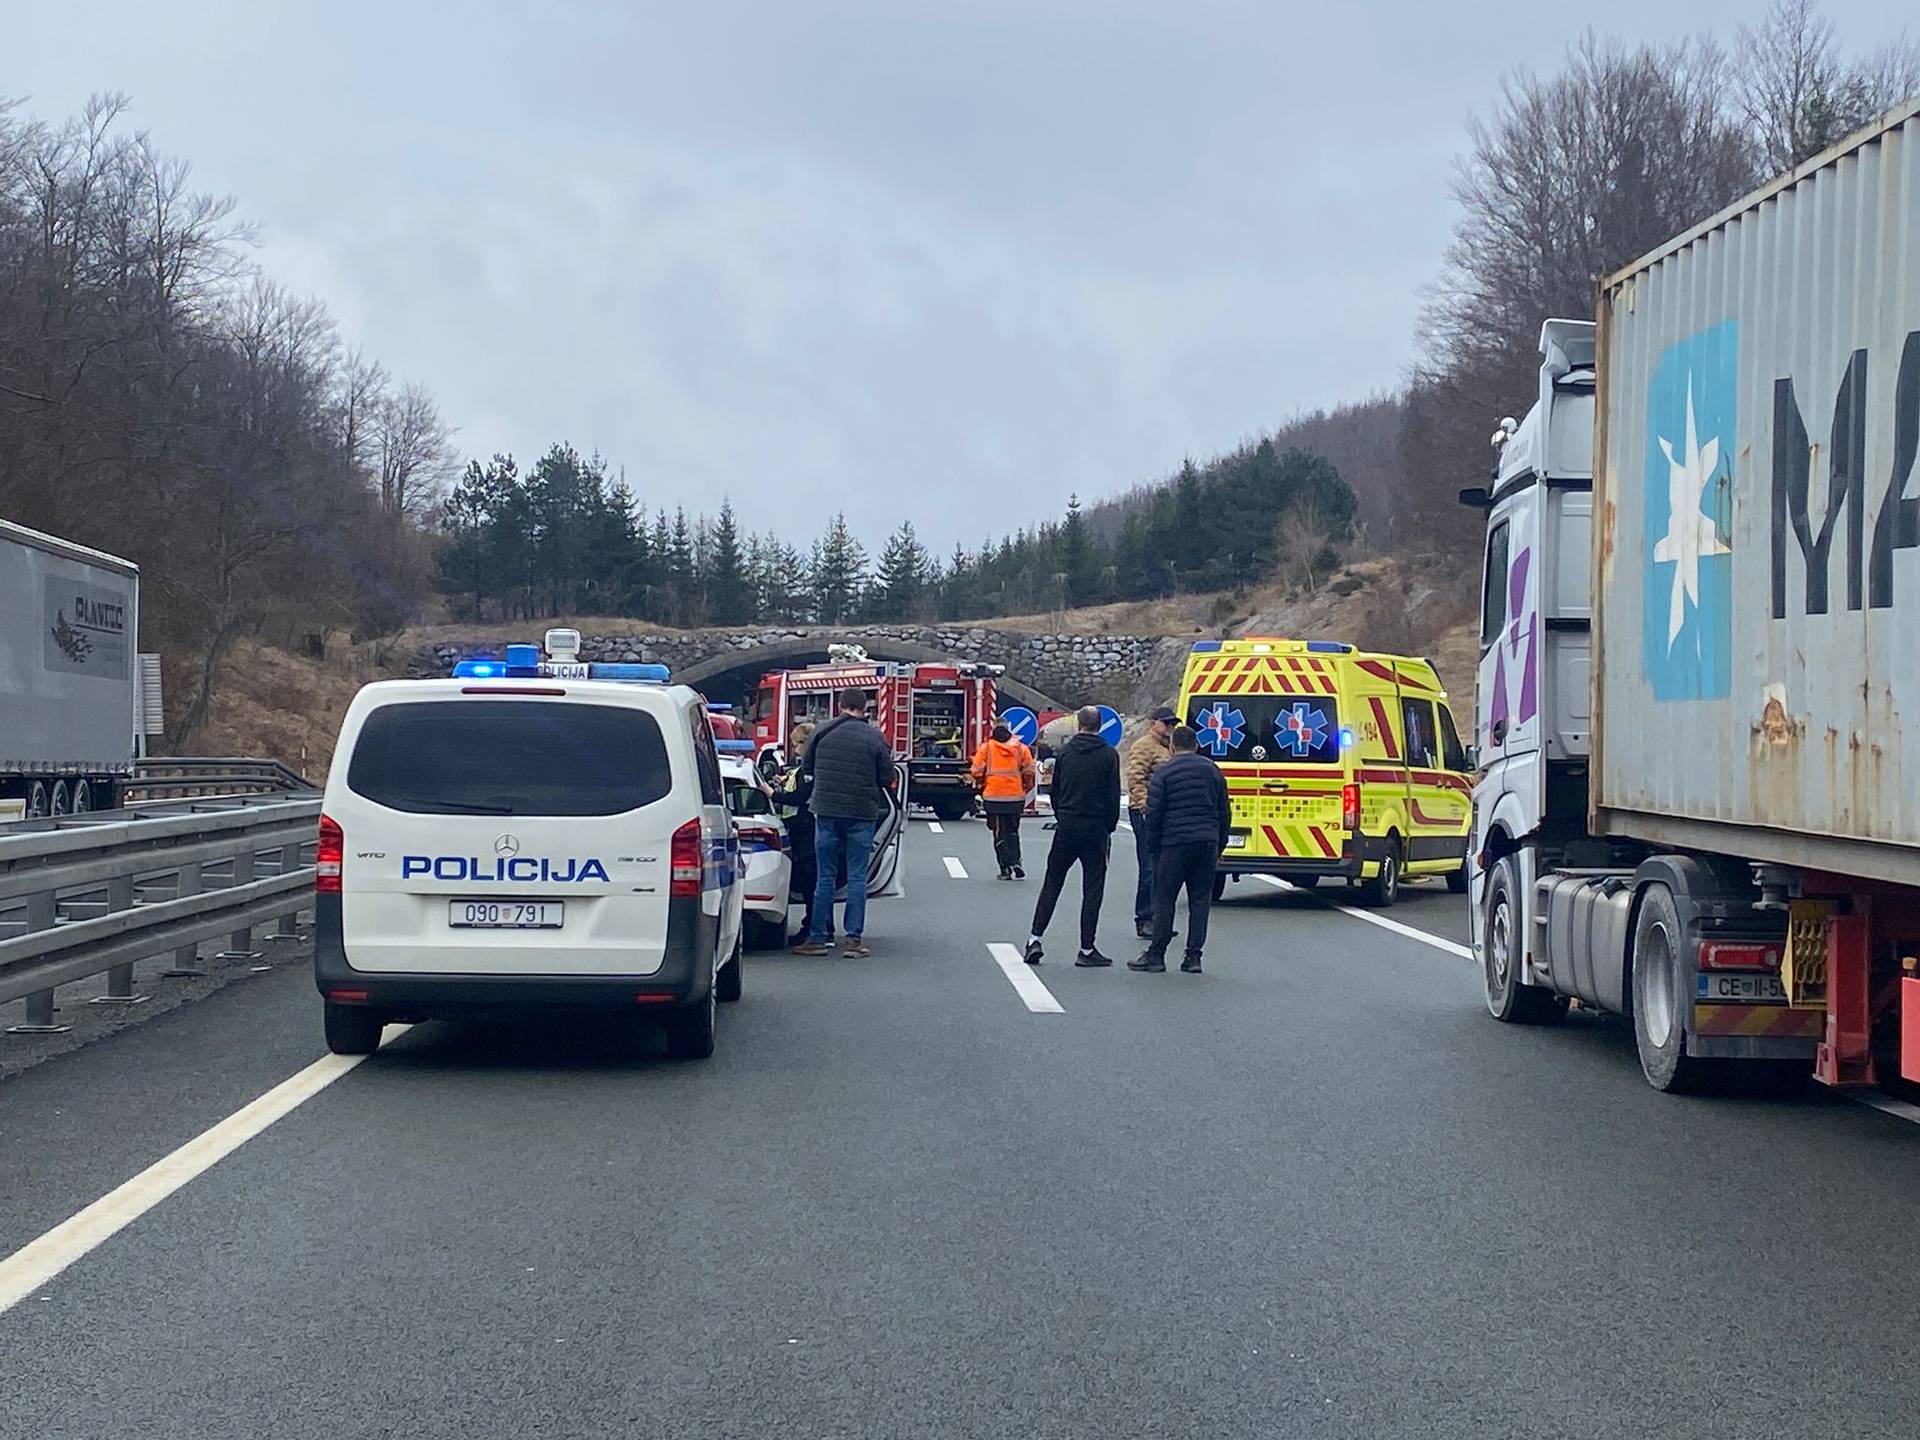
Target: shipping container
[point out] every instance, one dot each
(70, 674)
(1754, 660)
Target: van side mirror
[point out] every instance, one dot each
(1473, 759)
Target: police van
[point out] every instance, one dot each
(1340, 764)
(527, 836)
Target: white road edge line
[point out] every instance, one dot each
(1452, 947)
(39, 1261)
(935, 827)
(954, 867)
(1038, 998)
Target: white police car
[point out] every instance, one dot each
(766, 851)
(527, 836)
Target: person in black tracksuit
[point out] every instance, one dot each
(1086, 809)
(1188, 820)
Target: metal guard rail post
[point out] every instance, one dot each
(89, 895)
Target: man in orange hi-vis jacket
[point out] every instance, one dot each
(1003, 772)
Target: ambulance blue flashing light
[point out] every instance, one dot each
(527, 656)
(1329, 647)
(1202, 646)
(734, 747)
(1346, 737)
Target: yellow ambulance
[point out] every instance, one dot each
(1339, 763)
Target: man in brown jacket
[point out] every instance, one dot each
(1146, 755)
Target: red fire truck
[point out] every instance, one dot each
(934, 716)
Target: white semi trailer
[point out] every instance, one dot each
(1699, 685)
(70, 675)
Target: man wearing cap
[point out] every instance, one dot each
(1146, 755)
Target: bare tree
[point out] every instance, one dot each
(415, 447)
(1801, 95)
(1303, 544)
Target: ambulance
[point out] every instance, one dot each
(1340, 764)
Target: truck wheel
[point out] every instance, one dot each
(726, 985)
(352, 1029)
(37, 800)
(1509, 998)
(62, 803)
(1384, 888)
(82, 797)
(1219, 883)
(1457, 880)
(1660, 1003)
(690, 1031)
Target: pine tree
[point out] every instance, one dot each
(730, 600)
(681, 576)
(1079, 559)
(901, 586)
(837, 573)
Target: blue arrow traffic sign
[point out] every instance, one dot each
(1110, 725)
(1023, 722)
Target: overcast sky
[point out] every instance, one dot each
(940, 261)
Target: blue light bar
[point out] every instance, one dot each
(1329, 647)
(734, 747)
(518, 655)
(1201, 646)
(610, 670)
(1346, 737)
(719, 709)
(478, 669)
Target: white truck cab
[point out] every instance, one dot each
(527, 836)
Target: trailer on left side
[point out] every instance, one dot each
(70, 675)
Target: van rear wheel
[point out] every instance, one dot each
(690, 1032)
(1384, 888)
(353, 1029)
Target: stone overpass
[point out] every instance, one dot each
(1043, 671)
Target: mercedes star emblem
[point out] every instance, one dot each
(507, 846)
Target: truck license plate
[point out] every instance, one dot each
(506, 914)
(1743, 989)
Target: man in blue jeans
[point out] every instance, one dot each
(851, 769)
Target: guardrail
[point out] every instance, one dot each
(181, 776)
(85, 895)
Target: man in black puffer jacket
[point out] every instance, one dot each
(1188, 819)
(1086, 808)
(851, 770)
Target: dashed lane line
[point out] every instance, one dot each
(954, 867)
(39, 1261)
(936, 827)
(1452, 947)
(1037, 997)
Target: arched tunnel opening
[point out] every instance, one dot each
(731, 678)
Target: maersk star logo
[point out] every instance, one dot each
(1691, 532)
(1692, 435)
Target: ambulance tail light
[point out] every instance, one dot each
(329, 855)
(1350, 806)
(685, 862)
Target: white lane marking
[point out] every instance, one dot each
(1887, 1105)
(1038, 998)
(935, 827)
(39, 1261)
(1452, 947)
(954, 867)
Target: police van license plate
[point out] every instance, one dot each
(1743, 989)
(506, 914)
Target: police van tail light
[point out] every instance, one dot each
(1350, 806)
(685, 860)
(328, 856)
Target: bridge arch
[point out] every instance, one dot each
(749, 664)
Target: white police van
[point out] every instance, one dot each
(527, 836)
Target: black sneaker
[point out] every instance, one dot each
(1034, 952)
(1147, 964)
(1190, 965)
(1092, 959)
(1018, 873)
(1005, 874)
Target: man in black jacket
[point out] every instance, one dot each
(851, 769)
(1188, 819)
(1086, 808)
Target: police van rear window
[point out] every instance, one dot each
(1269, 729)
(510, 757)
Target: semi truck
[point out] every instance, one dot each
(1699, 799)
(70, 675)
(935, 714)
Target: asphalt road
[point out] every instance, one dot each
(1313, 1192)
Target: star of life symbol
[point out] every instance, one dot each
(1691, 534)
(1301, 728)
(1221, 727)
